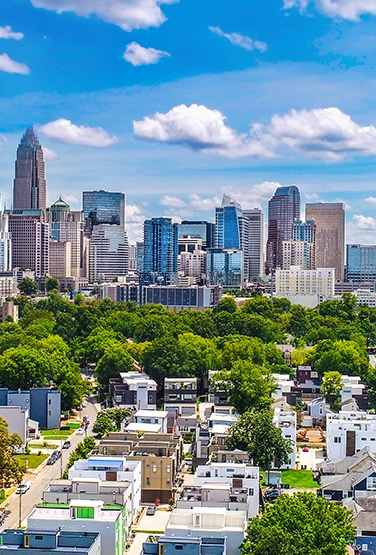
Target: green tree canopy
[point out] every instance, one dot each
(52, 283)
(115, 359)
(10, 470)
(27, 286)
(331, 388)
(301, 524)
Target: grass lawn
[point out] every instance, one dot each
(41, 446)
(299, 479)
(56, 434)
(73, 425)
(33, 460)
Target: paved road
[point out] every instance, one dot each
(46, 475)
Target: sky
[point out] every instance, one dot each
(177, 102)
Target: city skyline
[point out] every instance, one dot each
(96, 116)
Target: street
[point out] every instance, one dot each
(46, 475)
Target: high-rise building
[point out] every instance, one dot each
(160, 264)
(30, 240)
(132, 258)
(140, 256)
(225, 267)
(103, 207)
(228, 229)
(298, 253)
(305, 287)
(60, 263)
(304, 231)
(283, 209)
(66, 226)
(198, 229)
(329, 218)
(5, 244)
(255, 268)
(361, 263)
(109, 252)
(30, 188)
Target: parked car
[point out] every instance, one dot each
(51, 460)
(305, 449)
(23, 488)
(150, 511)
(67, 444)
(56, 454)
(80, 431)
(271, 495)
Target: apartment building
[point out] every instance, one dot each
(155, 545)
(134, 390)
(154, 421)
(180, 398)
(243, 484)
(20, 423)
(85, 516)
(43, 404)
(111, 469)
(50, 542)
(209, 522)
(159, 454)
(285, 420)
(305, 287)
(111, 493)
(348, 432)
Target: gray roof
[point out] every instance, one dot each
(345, 465)
(365, 512)
(345, 482)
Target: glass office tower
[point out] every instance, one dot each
(361, 262)
(103, 207)
(225, 268)
(198, 229)
(160, 263)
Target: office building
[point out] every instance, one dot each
(304, 231)
(198, 229)
(30, 187)
(60, 262)
(329, 218)
(103, 207)
(109, 252)
(5, 243)
(50, 542)
(306, 287)
(66, 226)
(140, 256)
(361, 263)
(132, 258)
(43, 403)
(86, 516)
(30, 240)
(298, 253)
(283, 209)
(225, 267)
(255, 243)
(160, 264)
(193, 264)
(8, 285)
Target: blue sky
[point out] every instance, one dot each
(175, 103)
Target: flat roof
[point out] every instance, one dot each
(143, 427)
(151, 414)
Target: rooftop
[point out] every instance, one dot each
(151, 414)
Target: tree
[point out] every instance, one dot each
(116, 359)
(27, 287)
(331, 388)
(110, 420)
(248, 386)
(10, 470)
(24, 367)
(226, 304)
(300, 524)
(256, 434)
(52, 283)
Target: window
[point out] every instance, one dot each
(337, 440)
(26, 540)
(49, 413)
(168, 468)
(154, 468)
(371, 483)
(148, 481)
(179, 547)
(39, 537)
(251, 491)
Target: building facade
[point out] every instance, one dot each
(361, 263)
(109, 252)
(30, 187)
(160, 264)
(5, 244)
(255, 243)
(329, 218)
(103, 207)
(198, 229)
(43, 404)
(297, 284)
(50, 542)
(30, 240)
(225, 267)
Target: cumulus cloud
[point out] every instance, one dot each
(361, 229)
(50, 154)
(199, 128)
(66, 131)
(351, 10)
(371, 200)
(172, 201)
(7, 33)
(240, 40)
(137, 55)
(135, 217)
(327, 134)
(127, 14)
(10, 66)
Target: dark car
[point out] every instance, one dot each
(150, 511)
(67, 444)
(271, 495)
(56, 454)
(51, 460)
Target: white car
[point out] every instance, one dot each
(23, 488)
(80, 432)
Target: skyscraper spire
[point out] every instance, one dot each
(30, 187)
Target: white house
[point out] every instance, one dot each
(19, 422)
(348, 432)
(285, 420)
(150, 417)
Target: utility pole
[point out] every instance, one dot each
(61, 458)
(20, 506)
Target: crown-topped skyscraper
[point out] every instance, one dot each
(30, 187)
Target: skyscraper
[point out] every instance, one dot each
(255, 218)
(109, 252)
(103, 207)
(202, 229)
(329, 218)
(5, 244)
(284, 208)
(361, 263)
(30, 240)
(160, 264)
(30, 188)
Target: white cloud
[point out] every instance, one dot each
(172, 201)
(371, 200)
(137, 55)
(312, 196)
(66, 131)
(327, 134)
(240, 40)
(351, 10)
(361, 229)
(134, 222)
(7, 33)
(127, 14)
(199, 128)
(10, 66)
(364, 222)
(50, 154)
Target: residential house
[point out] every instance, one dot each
(134, 390)
(180, 398)
(154, 421)
(364, 510)
(50, 542)
(160, 456)
(43, 404)
(356, 483)
(286, 422)
(84, 516)
(111, 469)
(19, 422)
(348, 432)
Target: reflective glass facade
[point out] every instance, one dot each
(104, 207)
(201, 229)
(227, 220)
(225, 268)
(160, 264)
(361, 263)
